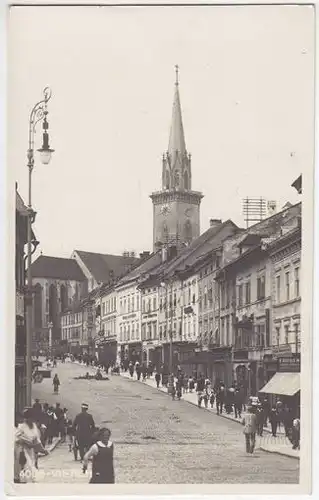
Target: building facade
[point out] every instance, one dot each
(20, 333)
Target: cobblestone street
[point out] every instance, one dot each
(157, 440)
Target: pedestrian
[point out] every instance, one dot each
(179, 389)
(69, 433)
(200, 388)
(273, 419)
(138, 371)
(131, 369)
(191, 384)
(287, 421)
(250, 426)
(238, 402)
(28, 439)
(266, 408)
(83, 427)
(296, 433)
(157, 379)
(173, 391)
(37, 409)
(144, 372)
(101, 453)
(220, 398)
(56, 383)
(212, 399)
(260, 419)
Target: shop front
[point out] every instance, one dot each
(286, 387)
(214, 364)
(107, 349)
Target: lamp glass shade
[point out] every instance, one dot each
(45, 155)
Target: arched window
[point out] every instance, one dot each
(64, 298)
(188, 231)
(186, 180)
(53, 306)
(164, 233)
(176, 179)
(38, 306)
(167, 183)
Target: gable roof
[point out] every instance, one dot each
(105, 267)
(57, 268)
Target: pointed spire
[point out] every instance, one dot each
(176, 138)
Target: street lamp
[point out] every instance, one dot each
(171, 376)
(39, 113)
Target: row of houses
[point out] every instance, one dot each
(229, 304)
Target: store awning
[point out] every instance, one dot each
(286, 384)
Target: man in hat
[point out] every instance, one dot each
(83, 428)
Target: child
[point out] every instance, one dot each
(212, 399)
(173, 392)
(69, 433)
(191, 384)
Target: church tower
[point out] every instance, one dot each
(176, 208)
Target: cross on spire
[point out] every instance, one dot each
(177, 73)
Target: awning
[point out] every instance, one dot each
(286, 384)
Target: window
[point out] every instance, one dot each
(189, 295)
(174, 299)
(154, 304)
(227, 292)
(287, 285)
(261, 287)
(227, 331)
(149, 305)
(155, 330)
(278, 289)
(133, 332)
(205, 300)
(161, 305)
(143, 332)
(297, 282)
(194, 298)
(137, 331)
(247, 293)
(286, 334)
(240, 295)
(160, 333)
(133, 304)
(278, 335)
(143, 305)
(129, 305)
(260, 335)
(222, 295)
(137, 303)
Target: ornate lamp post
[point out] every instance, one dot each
(38, 114)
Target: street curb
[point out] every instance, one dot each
(278, 453)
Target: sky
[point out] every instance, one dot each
(246, 89)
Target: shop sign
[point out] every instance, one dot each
(283, 351)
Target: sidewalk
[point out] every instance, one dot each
(60, 467)
(280, 444)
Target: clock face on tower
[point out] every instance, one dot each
(188, 212)
(165, 209)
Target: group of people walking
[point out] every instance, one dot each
(35, 429)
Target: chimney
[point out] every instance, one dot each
(214, 222)
(144, 255)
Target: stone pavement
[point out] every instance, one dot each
(268, 443)
(149, 431)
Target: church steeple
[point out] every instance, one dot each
(176, 161)
(176, 138)
(176, 208)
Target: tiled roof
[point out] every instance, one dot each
(105, 267)
(57, 268)
(206, 242)
(145, 267)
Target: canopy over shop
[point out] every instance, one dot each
(286, 386)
